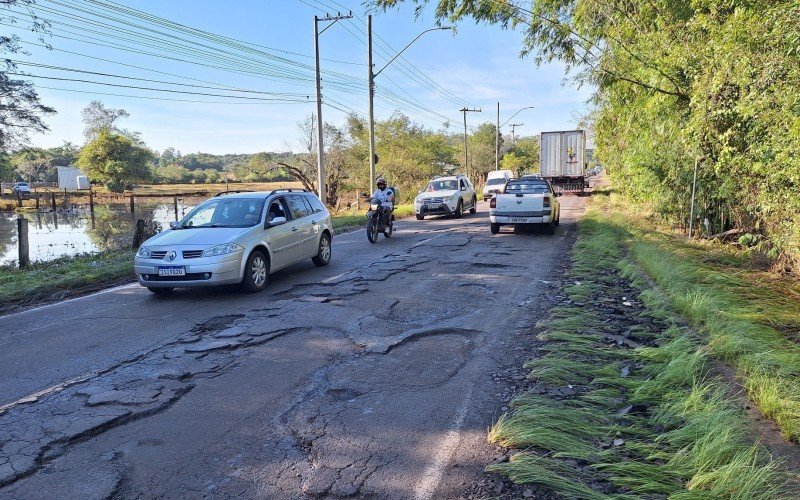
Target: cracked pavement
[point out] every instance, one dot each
(336, 382)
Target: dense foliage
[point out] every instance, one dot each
(115, 160)
(713, 81)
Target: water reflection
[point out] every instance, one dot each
(74, 230)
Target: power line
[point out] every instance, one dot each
(151, 98)
(156, 89)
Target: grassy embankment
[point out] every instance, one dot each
(647, 412)
(55, 279)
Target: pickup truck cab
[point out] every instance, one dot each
(524, 201)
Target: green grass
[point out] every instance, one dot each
(667, 427)
(45, 280)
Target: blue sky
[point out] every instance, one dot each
(475, 66)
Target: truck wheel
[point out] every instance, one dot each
(550, 228)
(420, 217)
(494, 228)
(474, 206)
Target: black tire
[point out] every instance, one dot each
(256, 272)
(389, 230)
(420, 217)
(160, 291)
(558, 220)
(550, 228)
(494, 228)
(372, 231)
(474, 206)
(459, 209)
(323, 257)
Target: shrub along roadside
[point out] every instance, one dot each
(625, 404)
(70, 276)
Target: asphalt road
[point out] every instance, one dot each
(372, 377)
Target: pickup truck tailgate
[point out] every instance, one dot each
(521, 205)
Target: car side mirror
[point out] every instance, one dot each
(463, 188)
(174, 224)
(277, 221)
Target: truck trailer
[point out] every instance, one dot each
(563, 160)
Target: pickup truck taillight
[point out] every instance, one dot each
(493, 202)
(545, 201)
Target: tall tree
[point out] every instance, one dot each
(21, 110)
(116, 160)
(98, 118)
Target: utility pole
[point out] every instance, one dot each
(371, 90)
(466, 156)
(497, 141)
(513, 130)
(320, 150)
(691, 210)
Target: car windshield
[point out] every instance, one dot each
(22, 184)
(442, 186)
(529, 187)
(231, 212)
(495, 182)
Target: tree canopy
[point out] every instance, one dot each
(115, 160)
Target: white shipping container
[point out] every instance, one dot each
(563, 154)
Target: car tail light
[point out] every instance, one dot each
(493, 202)
(546, 202)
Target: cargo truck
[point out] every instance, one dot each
(563, 160)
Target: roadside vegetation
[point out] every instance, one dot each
(631, 401)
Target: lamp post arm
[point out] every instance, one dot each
(407, 46)
(515, 114)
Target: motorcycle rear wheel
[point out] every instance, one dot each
(372, 230)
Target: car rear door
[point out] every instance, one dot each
(302, 221)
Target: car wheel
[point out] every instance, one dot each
(459, 209)
(160, 291)
(558, 220)
(494, 228)
(474, 206)
(256, 272)
(323, 257)
(420, 217)
(550, 228)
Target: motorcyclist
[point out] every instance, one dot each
(385, 196)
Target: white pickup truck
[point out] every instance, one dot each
(527, 200)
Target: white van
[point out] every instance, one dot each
(495, 180)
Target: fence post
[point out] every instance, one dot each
(175, 204)
(132, 204)
(37, 202)
(19, 198)
(358, 202)
(22, 232)
(138, 234)
(53, 200)
(91, 202)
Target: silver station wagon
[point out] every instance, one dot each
(237, 238)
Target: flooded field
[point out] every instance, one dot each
(73, 230)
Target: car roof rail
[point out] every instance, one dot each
(233, 191)
(290, 190)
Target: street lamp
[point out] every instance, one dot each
(371, 90)
(497, 137)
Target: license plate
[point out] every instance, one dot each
(519, 219)
(172, 271)
(432, 206)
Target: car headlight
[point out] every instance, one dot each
(222, 250)
(143, 253)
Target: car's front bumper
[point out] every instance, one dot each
(437, 209)
(226, 270)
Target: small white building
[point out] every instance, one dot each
(72, 179)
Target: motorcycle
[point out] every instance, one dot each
(379, 219)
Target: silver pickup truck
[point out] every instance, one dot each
(523, 201)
